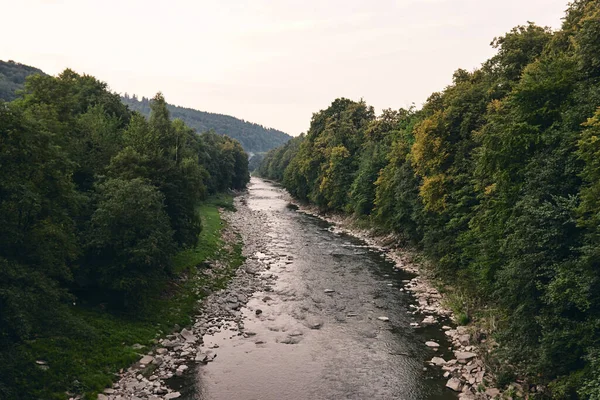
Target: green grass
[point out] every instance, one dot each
(99, 343)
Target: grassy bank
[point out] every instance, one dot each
(86, 358)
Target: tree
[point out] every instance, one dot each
(129, 241)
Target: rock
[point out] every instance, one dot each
(432, 344)
(173, 395)
(329, 291)
(428, 320)
(446, 328)
(102, 397)
(147, 359)
(181, 369)
(464, 339)
(454, 384)
(385, 319)
(492, 392)
(464, 355)
(188, 336)
(137, 346)
(438, 361)
(161, 351)
(109, 391)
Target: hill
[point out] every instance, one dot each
(12, 78)
(254, 138)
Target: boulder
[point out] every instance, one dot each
(438, 361)
(454, 384)
(464, 355)
(464, 339)
(147, 359)
(188, 336)
(432, 344)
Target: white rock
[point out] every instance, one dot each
(147, 359)
(438, 361)
(188, 336)
(329, 291)
(173, 395)
(464, 355)
(454, 384)
(464, 339)
(432, 344)
(383, 319)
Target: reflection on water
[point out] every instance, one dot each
(319, 336)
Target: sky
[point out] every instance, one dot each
(273, 62)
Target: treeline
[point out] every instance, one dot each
(497, 178)
(95, 200)
(254, 138)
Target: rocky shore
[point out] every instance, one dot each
(177, 354)
(220, 314)
(466, 372)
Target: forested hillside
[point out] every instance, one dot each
(95, 203)
(12, 78)
(253, 137)
(497, 179)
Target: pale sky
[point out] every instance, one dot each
(272, 62)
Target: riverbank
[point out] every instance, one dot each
(82, 362)
(469, 372)
(167, 370)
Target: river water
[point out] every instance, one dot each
(317, 334)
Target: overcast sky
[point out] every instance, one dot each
(273, 62)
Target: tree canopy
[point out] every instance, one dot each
(95, 201)
(496, 179)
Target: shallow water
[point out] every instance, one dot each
(309, 344)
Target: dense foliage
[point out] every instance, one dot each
(254, 138)
(95, 201)
(12, 78)
(497, 178)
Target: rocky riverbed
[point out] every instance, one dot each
(312, 314)
(466, 370)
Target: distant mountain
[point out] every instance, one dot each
(12, 78)
(254, 138)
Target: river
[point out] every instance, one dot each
(317, 333)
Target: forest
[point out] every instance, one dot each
(254, 138)
(497, 180)
(12, 78)
(96, 204)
